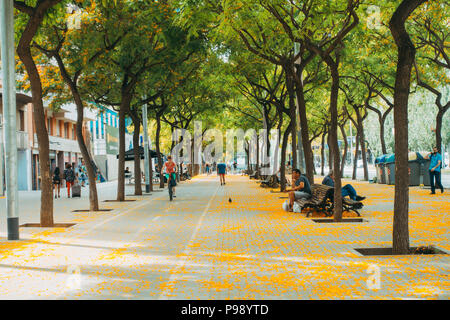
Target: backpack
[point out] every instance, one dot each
(69, 176)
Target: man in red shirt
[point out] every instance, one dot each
(171, 169)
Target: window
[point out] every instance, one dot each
(66, 130)
(74, 136)
(49, 126)
(21, 125)
(58, 128)
(103, 128)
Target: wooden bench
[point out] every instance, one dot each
(270, 182)
(319, 200)
(322, 200)
(352, 205)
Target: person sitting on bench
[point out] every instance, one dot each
(347, 190)
(300, 190)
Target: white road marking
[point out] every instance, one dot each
(187, 251)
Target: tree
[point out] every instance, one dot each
(329, 47)
(151, 40)
(32, 19)
(358, 92)
(74, 52)
(431, 33)
(405, 61)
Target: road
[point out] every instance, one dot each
(202, 246)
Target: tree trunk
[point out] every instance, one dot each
(137, 154)
(344, 156)
(322, 154)
(158, 150)
(283, 156)
(333, 139)
(265, 142)
(363, 149)
(124, 107)
(24, 52)
(290, 85)
(382, 139)
(439, 118)
(406, 56)
(330, 153)
(355, 159)
(88, 161)
(248, 159)
(307, 150)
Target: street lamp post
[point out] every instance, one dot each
(146, 149)
(9, 114)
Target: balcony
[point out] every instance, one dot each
(60, 144)
(22, 140)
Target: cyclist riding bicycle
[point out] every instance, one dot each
(171, 169)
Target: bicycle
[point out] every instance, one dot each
(171, 182)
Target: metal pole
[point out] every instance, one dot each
(9, 113)
(2, 192)
(146, 151)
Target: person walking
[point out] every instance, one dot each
(222, 171)
(83, 176)
(435, 170)
(69, 176)
(57, 182)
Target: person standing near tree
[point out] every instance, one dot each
(83, 175)
(69, 176)
(435, 170)
(56, 183)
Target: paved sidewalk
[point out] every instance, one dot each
(201, 246)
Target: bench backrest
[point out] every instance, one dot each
(321, 193)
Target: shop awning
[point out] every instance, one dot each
(129, 155)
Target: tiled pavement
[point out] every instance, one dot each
(201, 246)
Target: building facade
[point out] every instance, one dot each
(63, 144)
(104, 131)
